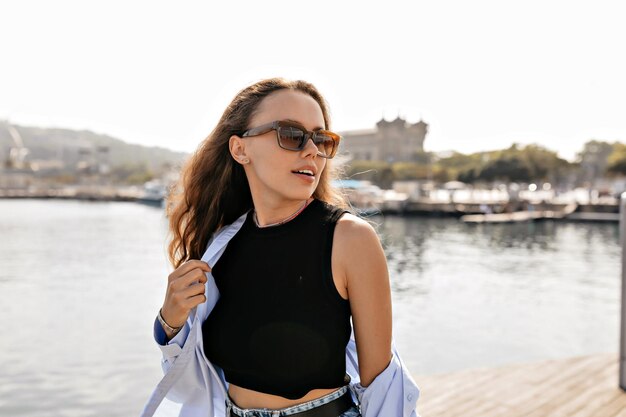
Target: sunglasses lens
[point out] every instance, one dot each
(291, 137)
(325, 143)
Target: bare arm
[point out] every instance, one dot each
(362, 261)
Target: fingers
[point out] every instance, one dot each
(187, 267)
(195, 300)
(192, 291)
(190, 279)
(186, 287)
(186, 275)
(179, 302)
(193, 276)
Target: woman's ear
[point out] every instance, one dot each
(237, 149)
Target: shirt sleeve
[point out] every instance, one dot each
(392, 393)
(159, 334)
(172, 348)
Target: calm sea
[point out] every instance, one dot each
(81, 282)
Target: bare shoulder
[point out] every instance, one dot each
(353, 229)
(356, 244)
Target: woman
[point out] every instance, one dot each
(296, 269)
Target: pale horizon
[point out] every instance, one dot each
(483, 75)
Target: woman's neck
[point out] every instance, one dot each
(267, 215)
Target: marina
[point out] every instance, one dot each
(468, 204)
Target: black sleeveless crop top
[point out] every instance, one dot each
(280, 326)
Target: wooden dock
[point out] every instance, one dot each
(585, 386)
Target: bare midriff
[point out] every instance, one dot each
(245, 398)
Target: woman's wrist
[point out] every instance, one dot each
(170, 331)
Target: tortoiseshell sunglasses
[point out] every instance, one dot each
(294, 137)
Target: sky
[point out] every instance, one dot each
(482, 74)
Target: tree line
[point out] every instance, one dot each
(523, 164)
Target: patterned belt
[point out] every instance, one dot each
(334, 408)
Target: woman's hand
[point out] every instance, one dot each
(185, 290)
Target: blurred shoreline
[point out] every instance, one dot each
(468, 204)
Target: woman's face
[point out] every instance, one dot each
(271, 170)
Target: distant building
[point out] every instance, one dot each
(594, 160)
(392, 141)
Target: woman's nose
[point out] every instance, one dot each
(310, 147)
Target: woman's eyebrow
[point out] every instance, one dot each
(302, 124)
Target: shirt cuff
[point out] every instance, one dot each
(170, 348)
(159, 333)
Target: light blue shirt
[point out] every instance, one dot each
(194, 387)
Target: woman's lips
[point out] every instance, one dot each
(307, 178)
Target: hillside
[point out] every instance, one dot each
(74, 146)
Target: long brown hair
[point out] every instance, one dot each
(213, 190)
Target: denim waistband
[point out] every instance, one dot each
(280, 412)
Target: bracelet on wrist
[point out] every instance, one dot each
(167, 326)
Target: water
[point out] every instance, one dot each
(80, 284)
(486, 295)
